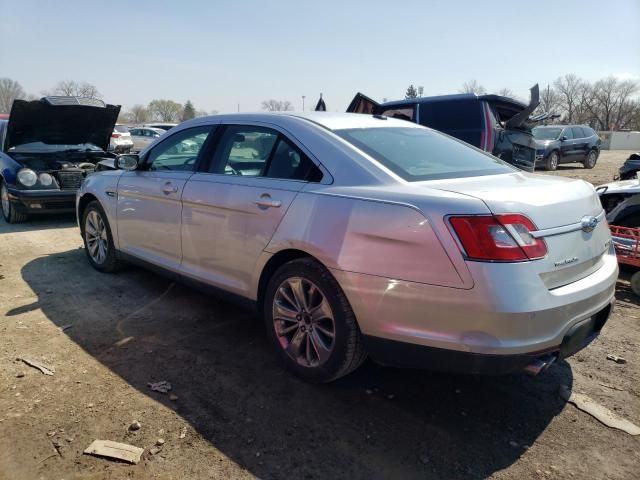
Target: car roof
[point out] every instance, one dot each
(562, 126)
(457, 97)
(328, 120)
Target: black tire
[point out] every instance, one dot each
(10, 214)
(591, 160)
(552, 161)
(347, 351)
(110, 263)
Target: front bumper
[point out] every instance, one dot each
(43, 201)
(497, 321)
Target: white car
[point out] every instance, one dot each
(121, 141)
(358, 235)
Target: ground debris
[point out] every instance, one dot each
(615, 358)
(600, 413)
(65, 327)
(120, 451)
(135, 425)
(162, 386)
(46, 369)
(183, 433)
(612, 387)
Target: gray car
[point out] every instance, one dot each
(358, 235)
(142, 137)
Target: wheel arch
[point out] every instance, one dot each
(85, 200)
(273, 264)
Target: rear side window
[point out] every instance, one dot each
(451, 115)
(403, 113)
(577, 132)
(417, 154)
(288, 162)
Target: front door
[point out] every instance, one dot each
(231, 210)
(567, 150)
(149, 199)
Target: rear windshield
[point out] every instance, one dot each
(546, 133)
(121, 128)
(417, 154)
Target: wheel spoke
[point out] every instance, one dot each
(284, 313)
(324, 331)
(298, 292)
(323, 310)
(322, 351)
(283, 291)
(295, 345)
(308, 350)
(286, 330)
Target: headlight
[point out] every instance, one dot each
(27, 177)
(45, 179)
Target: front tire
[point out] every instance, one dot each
(8, 212)
(98, 241)
(552, 161)
(310, 322)
(590, 161)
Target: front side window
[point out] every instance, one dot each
(417, 154)
(567, 133)
(179, 151)
(577, 132)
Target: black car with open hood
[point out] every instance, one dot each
(496, 124)
(47, 147)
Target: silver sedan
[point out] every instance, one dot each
(358, 235)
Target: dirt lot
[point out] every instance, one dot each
(237, 414)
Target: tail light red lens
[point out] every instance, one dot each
(498, 238)
(115, 135)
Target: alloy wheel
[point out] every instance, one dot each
(553, 161)
(304, 322)
(591, 159)
(95, 233)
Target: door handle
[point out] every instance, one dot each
(169, 188)
(265, 201)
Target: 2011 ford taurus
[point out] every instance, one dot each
(361, 235)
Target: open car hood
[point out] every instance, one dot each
(61, 121)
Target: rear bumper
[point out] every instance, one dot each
(43, 201)
(512, 316)
(407, 355)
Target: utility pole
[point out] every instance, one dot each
(303, 97)
(238, 108)
(420, 90)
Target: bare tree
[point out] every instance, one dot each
(165, 110)
(9, 91)
(611, 104)
(571, 91)
(506, 92)
(549, 101)
(74, 89)
(140, 114)
(272, 105)
(472, 86)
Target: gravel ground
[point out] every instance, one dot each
(234, 413)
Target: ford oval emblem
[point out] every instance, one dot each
(588, 223)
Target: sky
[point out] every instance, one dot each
(226, 55)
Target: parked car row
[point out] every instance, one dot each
(353, 235)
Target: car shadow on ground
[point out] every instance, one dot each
(39, 222)
(376, 423)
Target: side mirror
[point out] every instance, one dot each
(563, 138)
(127, 162)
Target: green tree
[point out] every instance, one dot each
(165, 110)
(189, 112)
(411, 92)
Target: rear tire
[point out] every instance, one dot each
(310, 322)
(8, 212)
(552, 161)
(591, 160)
(98, 240)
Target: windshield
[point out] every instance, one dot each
(417, 154)
(546, 133)
(37, 147)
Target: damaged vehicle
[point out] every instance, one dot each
(493, 123)
(48, 147)
(621, 202)
(629, 168)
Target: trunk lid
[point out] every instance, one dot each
(563, 211)
(61, 121)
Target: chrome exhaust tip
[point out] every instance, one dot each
(540, 364)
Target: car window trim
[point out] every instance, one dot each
(212, 129)
(207, 162)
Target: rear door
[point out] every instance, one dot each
(149, 204)
(580, 143)
(567, 149)
(232, 209)
(362, 104)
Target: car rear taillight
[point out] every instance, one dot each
(115, 135)
(498, 238)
